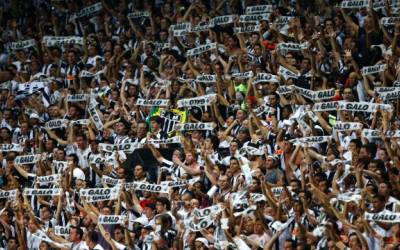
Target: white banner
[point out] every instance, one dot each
(222, 20)
(23, 44)
(201, 49)
(369, 70)
(310, 140)
(110, 181)
(354, 4)
(247, 29)
(111, 219)
(8, 194)
(325, 106)
(60, 166)
(62, 231)
(99, 194)
(392, 134)
(57, 123)
(138, 14)
(347, 126)
(61, 40)
(86, 11)
(200, 28)
(244, 75)
(358, 106)
(259, 9)
(42, 192)
(350, 196)
(200, 225)
(266, 77)
(283, 90)
(205, 100)
(282, 20)
(11, 148)
(206, 78)
(287, 73)
(257, 197)
(316, 95)
(146, 187)
(370, 133)
(208, 211)
(194, 126)
(77, 98)
(48, 178)
(84, 122)
(172, 140)
(152, 102)
(389, 21)
(293, 46)
(86, 74)
(386, 217)
(253, 18)
(96, 118)
(126, 147)
(173, 184)
(390, 95)
(27, 159)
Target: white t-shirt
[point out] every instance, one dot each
(32, 241)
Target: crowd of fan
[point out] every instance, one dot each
(291, 140)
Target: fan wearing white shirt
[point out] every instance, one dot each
(75, 236)
(92, 239)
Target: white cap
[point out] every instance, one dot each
(34, 116)
(203, 240)
(142, 220)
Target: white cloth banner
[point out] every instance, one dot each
(8, 194)
(81, 122)
(370, 133)
(386, 217)
(62, 231)
(60, 166)
(354, 4)
(173, 184)
(57, 123)
(283, 90)
(200, 28)
(259, 9)
(287, 73)
(244, 75)
(208, 211)
(126, 147)
(194, 126)
(253, 18)
(87, 11)
(266, 77)
(96, 118)
(369, 70)
(23, 44)
(293, 46)
(390, 95)
(110, 181)
(205, 100)
(61, 40)
(11, 148)
(282, 20)
(389, 21)
(42, 192)
(27, 159)
(325, 106)
(111, 219)
(222, 20)
(146, 187)
(347, 126)
(206, 78)
(200, 225)
(99, 194)
(77, 98)
(201, 49)
(172, 140)
(48, 178)
(247, 29)
(152, 102)
(138, 14)
(310, 140)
